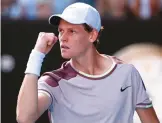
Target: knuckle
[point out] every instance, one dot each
(41, 33)
(52, 34)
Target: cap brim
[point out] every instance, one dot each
(55, 19)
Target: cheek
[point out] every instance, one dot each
(80, 44)
(59, 37)
(79, 39)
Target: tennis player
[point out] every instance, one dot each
(89, 87)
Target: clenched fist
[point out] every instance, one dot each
(45, 42)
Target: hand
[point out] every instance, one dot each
(45, 42)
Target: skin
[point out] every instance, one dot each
(31, 104)
(81, 48)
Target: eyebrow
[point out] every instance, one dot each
(71, 28)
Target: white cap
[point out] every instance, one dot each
(78, 13)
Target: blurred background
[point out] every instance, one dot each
(132, 32)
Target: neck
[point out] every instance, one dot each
(91, 62)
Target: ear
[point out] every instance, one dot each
(93, 35)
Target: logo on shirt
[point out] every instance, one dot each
(123, 89)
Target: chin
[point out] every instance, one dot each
(66, 56)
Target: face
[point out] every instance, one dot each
(74, 40)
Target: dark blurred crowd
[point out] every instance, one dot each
(109, 9)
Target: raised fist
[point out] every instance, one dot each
(45, 42)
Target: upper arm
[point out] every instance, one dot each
(140, 96)
(45, 94)
(147, 115)
(142, 101)
(44, 101)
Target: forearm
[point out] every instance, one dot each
(27, 103)
(28, 108)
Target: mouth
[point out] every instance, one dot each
(64, 47)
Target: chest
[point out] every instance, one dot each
(91, 97)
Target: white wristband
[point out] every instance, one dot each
(35, 62)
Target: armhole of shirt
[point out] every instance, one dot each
(48, 94)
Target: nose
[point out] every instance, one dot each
(63, 37)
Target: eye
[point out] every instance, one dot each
(60, 30)
(72, 31)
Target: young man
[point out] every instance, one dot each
(90, 87)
